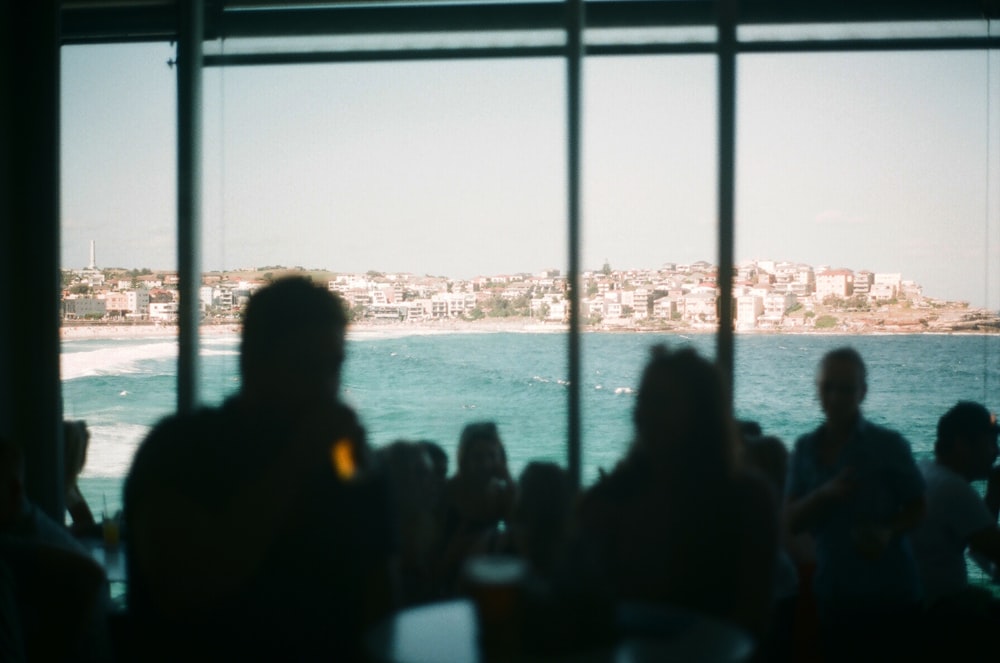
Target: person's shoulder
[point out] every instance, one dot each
(807, 440)
(611, 493)
(883, 435)
(173, 437)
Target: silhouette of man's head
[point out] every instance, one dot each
(967, 439)
(842, 384)
(293, 344)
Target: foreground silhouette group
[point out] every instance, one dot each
(268, 529)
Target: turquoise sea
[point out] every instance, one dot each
(428, 386)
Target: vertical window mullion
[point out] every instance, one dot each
(574, 67)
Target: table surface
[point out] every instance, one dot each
(447, 632)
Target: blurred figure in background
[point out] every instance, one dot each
(855, 486)
(478, 500)
(76, 439)
(679, 521)
(540, 523)
(768, 456)
(413, 485)
(964, 619)
(256, 530)
(57, 593)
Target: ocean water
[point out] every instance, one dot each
(428, 386)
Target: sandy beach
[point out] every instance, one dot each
(118, 331)
(368, 329)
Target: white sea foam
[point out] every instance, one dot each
(114, 360)
(205, 352)
(111, 449)
(128, 358)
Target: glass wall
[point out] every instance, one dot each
(866, 211)
(431, 197)
(649, 230)
(118, 171)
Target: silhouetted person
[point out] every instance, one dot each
(439, 459)
(964, 618)
(478, 499)
(856, 487)
(254, 530)
(768, 456)
(59, 594)
(543, 508)
(413, 483)
(678, 521)
(76, 439)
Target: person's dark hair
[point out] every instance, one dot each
(278, 310)
(966, 420)
(850, 355)
(748, 428)
(398, 460)
(438, 456)
(478, 431)
(544, 494)
(683, 411)
(75, 442)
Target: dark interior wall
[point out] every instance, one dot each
(5, 215)
(30, 395)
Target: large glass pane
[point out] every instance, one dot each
(649, 232)
(118, 252)
(867, 216)
(431, 196)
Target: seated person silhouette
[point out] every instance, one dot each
(255, 530)
(959, 521)
(76, 439)
(56, 592)
(543, 507)
(413, 484)
(679, 521)
(477, 500)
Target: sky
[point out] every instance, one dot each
(888, 162)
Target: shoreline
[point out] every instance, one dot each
(103, 331)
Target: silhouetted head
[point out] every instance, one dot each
(842, 384)
(544, 495)
(748, 429)
(481, 455)
(967, 439)
(293, 345)
(438, 456)
(11, 480)
(682, 413)
(543, 505)
(411, 473)
(76, 439)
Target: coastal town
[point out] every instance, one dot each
(767, 296)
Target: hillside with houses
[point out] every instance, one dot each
(767, 296)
